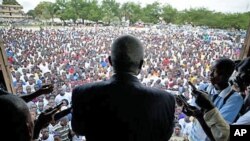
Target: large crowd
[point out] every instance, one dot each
(73, 56)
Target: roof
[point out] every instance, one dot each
(1, 5)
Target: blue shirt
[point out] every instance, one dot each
(231, 108)
(197, 133)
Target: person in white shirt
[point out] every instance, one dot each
(186, 125)
(68, 93)
(61, 95)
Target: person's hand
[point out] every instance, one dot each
(202, 100)
(181, 100)
(191, 111)
(46, 89)
(47, 116)
(44, 119)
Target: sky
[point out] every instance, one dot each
(226, 6)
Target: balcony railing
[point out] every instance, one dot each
(16, 6)
(10, 11)
(12, 16)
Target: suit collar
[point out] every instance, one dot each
(124, 77)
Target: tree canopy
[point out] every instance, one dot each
(110, 11)
(10, 2)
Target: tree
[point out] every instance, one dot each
(10, 2)
(78, 6)
(65, 11)
(151, 13)
(31, 13)
(110, 10)
(68, 13)
(131, 11)
(169, 13)
(52, 9)
(41, 10)
(94, 11)
(46, 10)
(84, 9)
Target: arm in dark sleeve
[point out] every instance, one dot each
(26, 97)
(29, 97)
(78, 123)
(45, 89)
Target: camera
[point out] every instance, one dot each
(181, 100)
(240, 80)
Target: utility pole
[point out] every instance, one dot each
(245, 51)
(4, 70)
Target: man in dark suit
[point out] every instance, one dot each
(122, 109)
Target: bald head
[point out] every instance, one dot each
(127, 54)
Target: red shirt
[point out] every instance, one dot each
(71, 70)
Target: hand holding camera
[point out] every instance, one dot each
(202, 99)
(191, 111)
(186, 108)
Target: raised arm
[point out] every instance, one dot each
(212, 117)
(45, 89)
(44, 119)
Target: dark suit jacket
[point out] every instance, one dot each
(122, 109)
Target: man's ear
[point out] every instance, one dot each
(141, 63)
(30, 128)
(110, 62)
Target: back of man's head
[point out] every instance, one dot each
(15, 114)
(127, 54)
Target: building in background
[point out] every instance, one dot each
(12, 13)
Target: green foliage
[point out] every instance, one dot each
(131, 11)
(10, 2)
(31, 13)
(46, 10)
(169, 13)
(151, 13)
(94, 11)
(110, 11)
(204, 17)
(66, 11)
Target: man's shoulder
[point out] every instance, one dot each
(237, 95)
(158, 92)
(89, 86)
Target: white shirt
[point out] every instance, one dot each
(44, 68)
(185, 126)
(59, 98)
(244, 119)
